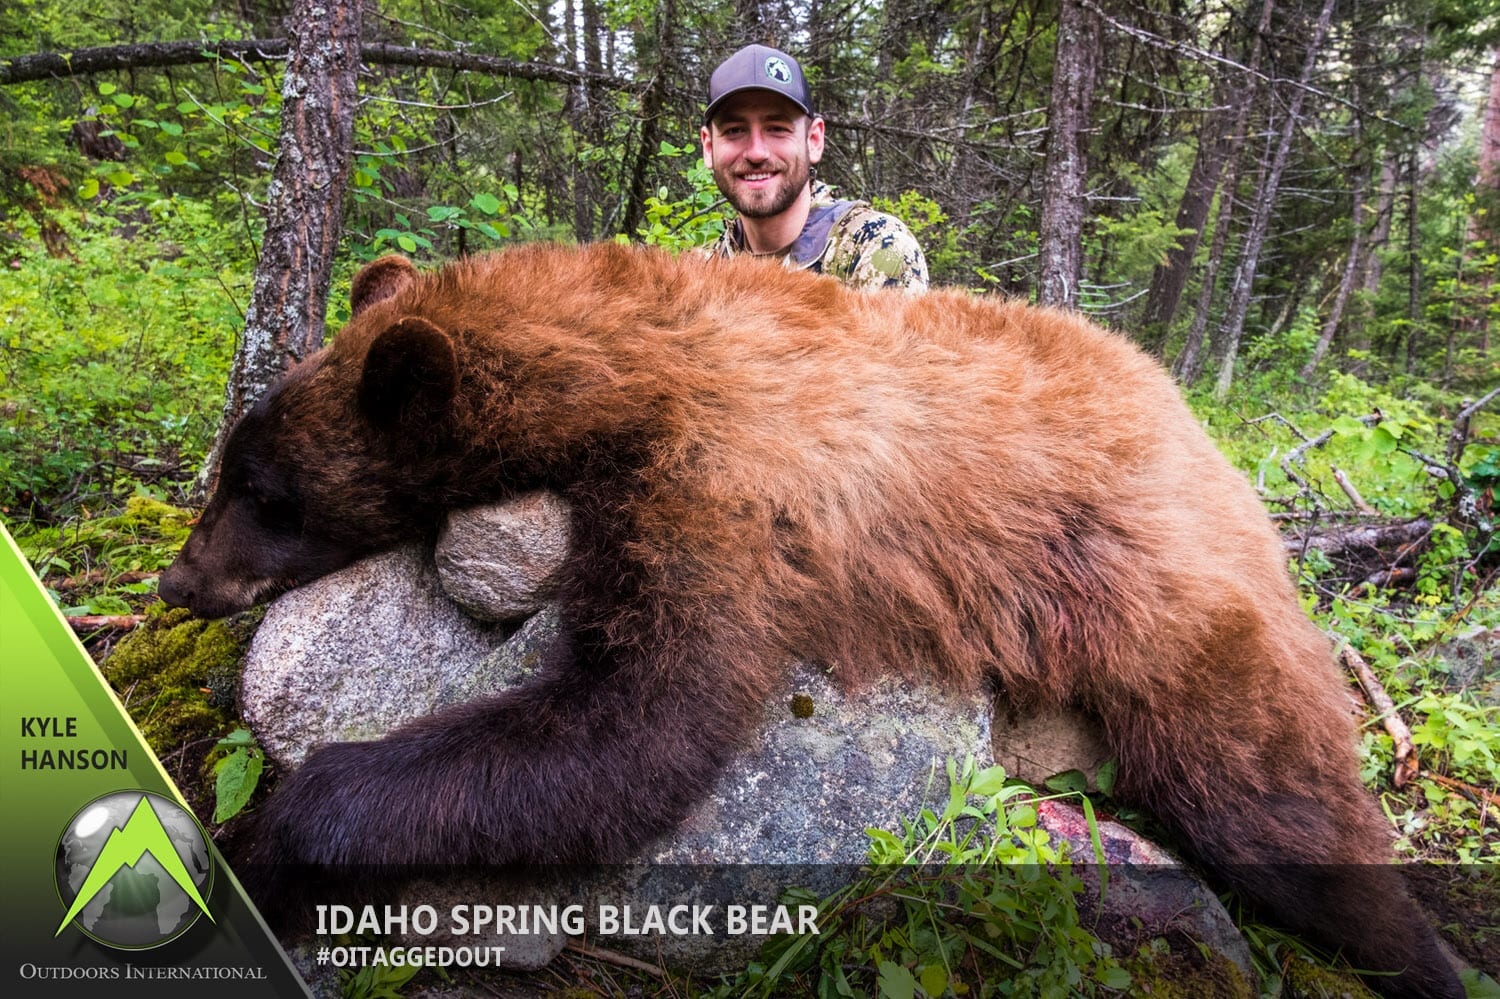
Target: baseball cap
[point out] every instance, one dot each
(757, 67)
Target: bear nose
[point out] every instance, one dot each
(172, 592)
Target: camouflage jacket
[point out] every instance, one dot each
(848, 240)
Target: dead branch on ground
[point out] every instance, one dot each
(86, 624)
(1406, 751)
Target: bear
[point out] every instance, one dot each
(763, 466)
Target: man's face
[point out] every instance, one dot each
(760, 147)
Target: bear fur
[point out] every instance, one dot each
(764, 465)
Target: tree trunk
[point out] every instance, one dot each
(1413, 258)
(587, 118)
(1260, 221)
(653, 105)
(1169, 278)
(972, 74)
(1063, 196)
(1371, 268)
(1219, 144)
(1347, 281)
(285, 318)
(1489, 185)
(758, 23)
(1483, 226)
(1189, 363)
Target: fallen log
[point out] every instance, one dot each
(1358, 539)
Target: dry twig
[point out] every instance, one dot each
(615, 957)
(1406, 751)
(85, 624)
(1351, 492)
(1474, 794)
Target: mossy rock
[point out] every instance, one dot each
(176, 675)
(1190, 972)
(1304, 979)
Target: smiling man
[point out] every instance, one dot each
(762, 141)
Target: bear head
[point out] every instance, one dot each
(331, 464)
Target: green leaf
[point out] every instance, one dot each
(1115, 978)
(1068, 782)
(1348, 426)
(1108, 771)
(1479, 985)
(896, 982)
(123, 100)
(486, 202)
(1382, 440)
(934, 979)
(171, 127)
(89, 189)
(236, 778)
(239, 737)
(107, 88)
(987, 782)
(175, 157)
(407, 243)
(108, 603)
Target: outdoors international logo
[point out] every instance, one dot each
(778, 70)
(133, 870)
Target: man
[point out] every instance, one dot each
(762, 141)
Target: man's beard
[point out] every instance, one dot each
(792, 180)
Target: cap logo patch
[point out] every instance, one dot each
(778, 70)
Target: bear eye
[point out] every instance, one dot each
(278, 513)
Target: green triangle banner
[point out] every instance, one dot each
(111, 886)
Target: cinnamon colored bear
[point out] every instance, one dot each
(763, 466)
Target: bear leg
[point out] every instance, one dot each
(609, 747)
(1303, 842)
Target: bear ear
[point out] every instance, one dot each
(379, 280)
(410, 377)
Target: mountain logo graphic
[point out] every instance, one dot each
(133, 870)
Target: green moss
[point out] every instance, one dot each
(105, 565)
(802, 705)
(1158, 971)
(1305, 980)
(161, 671)
(167, 522)
(143, 519)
